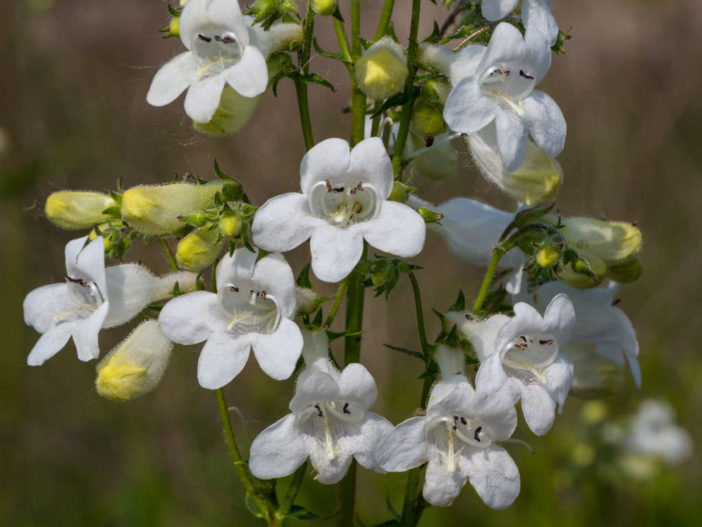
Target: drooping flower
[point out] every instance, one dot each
(91, 298)
(251, 310)
(494, 94)
(344, 200)
(458, 438)
(222, 49)
(536, 14)
(598, 322)
(330, 422)
(524, 351)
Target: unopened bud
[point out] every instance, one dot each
(230, 224)
(157, 209)
(628, 271)
(324, 7)
(427, 118)
(548, 256)
(611, 241)
(136, 365)
(77, 209)
(199, 249)
(382, 69)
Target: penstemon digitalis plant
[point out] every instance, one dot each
(543, 324)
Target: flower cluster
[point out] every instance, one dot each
(545, 328)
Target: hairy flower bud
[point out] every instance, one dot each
(324, 7)
(77, 209)
(136, 365)
(156, 209)
(382, 69)
(199, 249)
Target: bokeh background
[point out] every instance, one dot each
(73, 115)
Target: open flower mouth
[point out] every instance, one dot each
(249, 309)
(343, 203)
(216, 50)
(529, 356)
(327, 421)
(450, 434)
(86, 297)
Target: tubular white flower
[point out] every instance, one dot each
(252, 309)
(525, 352)
(500, 90)
(343, 200)
(330, 422)
(91, 298)
(223, 49)
(458, 438)
(598, 322)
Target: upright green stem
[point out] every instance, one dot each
(409, 90)
(497, 253)
(300, 84)
(384, 19)
(169, 255)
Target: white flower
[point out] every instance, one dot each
(494, 87)
(343, 201)
(525, 349)
(599, 322)
(535, 14)
(222, 49)
(330, 422)
(251, 309)
(91, 298)
(458, 438)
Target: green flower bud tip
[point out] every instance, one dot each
(157, 209)
(382, 69)
(230, 224)
(78, 210)
(548, 256)
(136, 365)
(324, 7)
(199, 249)
(427, 119)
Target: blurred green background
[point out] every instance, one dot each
(73, 115)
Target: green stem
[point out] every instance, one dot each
(303, 59)
(497, 253)
(384, 19)
(348, 497)
(337, 303)
(406, 115)
(169, 255)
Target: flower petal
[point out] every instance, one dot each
(202, 99)
(494, 476)
(326, 160)
(397, 230)
(172, 79)
(221, 359)
(41, 304)
(539, 408)
(357, 384)
(282, 223)
(85, 334)
(277, 451)
(467, 110)
(335, 251)
(442, 486)
(249, 76)
(191, 318)
(277, 352)
(370, 163)
(49, 344)
(404, 447)
(511, 139)
(545, 122)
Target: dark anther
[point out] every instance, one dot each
(616, 301)
(463, 421)
(345, 409)
(476, 435)
(319, 410)
(546, 342)
(224, 40)
(203, 37)
(233, 289)
(528, 77)
(78, 281)
(428, 141)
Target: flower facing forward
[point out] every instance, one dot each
(330, 422)
(343, 201)
(494, 94)
(525, 350)
(535, 14)
(222, 49)
(251, 309)
(91, 298)
(458, 438)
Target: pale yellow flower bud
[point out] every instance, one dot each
(382, 69)
(156, 209)
(136, 365)
(78, 210)
(199, 249)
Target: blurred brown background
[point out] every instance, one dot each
(73, 115)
